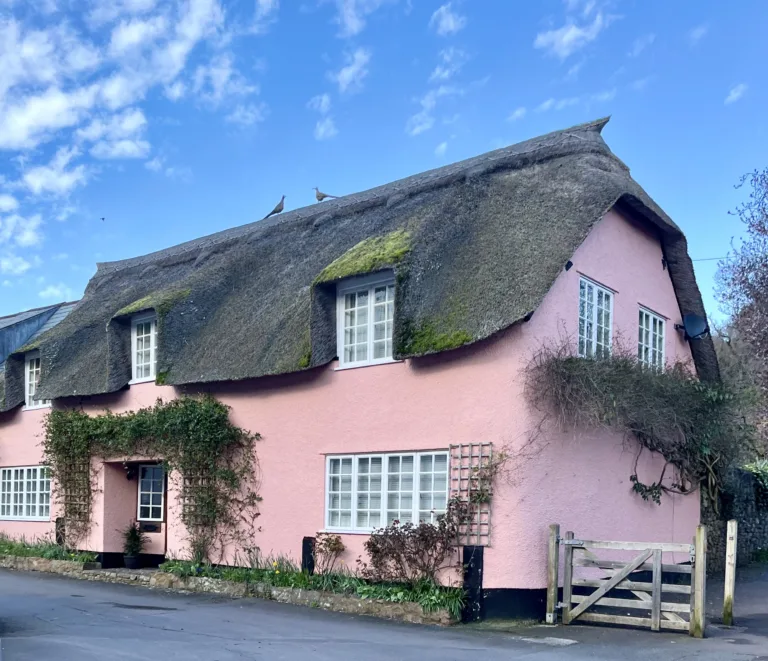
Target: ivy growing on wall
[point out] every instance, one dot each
(697, 427)
(212, 464)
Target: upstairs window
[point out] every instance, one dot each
(650, 339)
(31, 380)
(595, 318)
(143, 348)
(365, 310)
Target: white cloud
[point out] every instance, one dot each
(136, 34)
(124, 148)
(123, 88)
(55, 178)
(219, 79)
(545, 105)
(321, 103)
(8, 203)
(565, 41)
(441, 149)
(573, 71)
(124, 125)
(156, 164)
(264, 15)
(176, 90)
(33, 119)
(602, 97)
(59, 292)
(424, 119)
(106, 11)
(24, 232)
(13, 264)
(641, 83)
(247, 114)
(350, 77)
(325, 129)
(445, 21)
(697, 34)
(351, 15)
(641, 43)
(736, 93)
(516, 114)
(451, 61)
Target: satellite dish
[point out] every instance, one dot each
(694, 325)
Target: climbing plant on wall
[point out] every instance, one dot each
(212, 461)
(697, 427)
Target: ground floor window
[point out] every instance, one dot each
(151, 493)
(25, 493)
(364, 492)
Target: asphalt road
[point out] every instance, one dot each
(51, 617)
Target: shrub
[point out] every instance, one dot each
(759, 468)
(41, 548)
(328, 550)
(134, 540)
(413, 553)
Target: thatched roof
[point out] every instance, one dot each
(475, 247)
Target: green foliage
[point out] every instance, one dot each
(759, 468)
(212, 460)
(161, 302)
(134, 540)
(282, 572)
(697, 427)
(41, 548)
(427, 339)
(369, 255)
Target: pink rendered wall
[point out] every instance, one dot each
(473, 394)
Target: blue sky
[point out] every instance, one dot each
(175, 119)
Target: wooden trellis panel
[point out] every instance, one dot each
(466, 460)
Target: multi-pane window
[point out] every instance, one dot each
(32, 379)
(144, 348)
(151, 493)
(366, 312)
(595, 316)
(25, 493)
(650, 339)
(364, 492)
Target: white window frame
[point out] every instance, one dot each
(143, 319)
(593, 335)
(15, 493)
(349, 286)
(354, 529)
(647, 315)
(151, 493)
(32, 369)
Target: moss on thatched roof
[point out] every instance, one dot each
(475, 247)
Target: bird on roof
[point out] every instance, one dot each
(278, 208)
(320, 196)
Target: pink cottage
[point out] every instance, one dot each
(371, 340)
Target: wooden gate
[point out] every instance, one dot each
(610, 594)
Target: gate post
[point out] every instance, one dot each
(553, 565)
(699, 580)
(730, 572)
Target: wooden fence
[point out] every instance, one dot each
(675, 605)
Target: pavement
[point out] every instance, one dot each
(45, 616)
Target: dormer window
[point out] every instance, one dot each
(144, 348)
(32, 367)
(365, 313)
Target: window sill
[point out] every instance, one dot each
(146, 379)
(36, 407)
(340, 531)
(26, 518)
(372, 364)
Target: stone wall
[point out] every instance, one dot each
(341, 603)
(745, 500)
